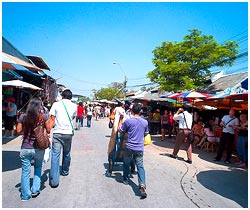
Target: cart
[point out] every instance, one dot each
(116, 156)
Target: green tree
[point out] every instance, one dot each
(84, 99)
(114, 91)
(185, 65)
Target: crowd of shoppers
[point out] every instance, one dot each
(130, 122)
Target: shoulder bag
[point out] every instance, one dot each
(190, 136)
(69, 118)
(42, 138)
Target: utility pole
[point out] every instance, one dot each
(125, 80)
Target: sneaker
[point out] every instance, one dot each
(143, 191)
(188, 161)
(34, 195)
(172, 156)
(125, 181)
(239, 163)
(216, 159)
(65, 174)
(134, 172)
(227, 161)
(54, 186)
(24, 199)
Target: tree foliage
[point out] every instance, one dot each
(185, 65)
(109, 93)
(84, 99)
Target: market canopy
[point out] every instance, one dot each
(231, 101)
(20, 84)
(15, 63)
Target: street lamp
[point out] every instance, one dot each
(125, 79)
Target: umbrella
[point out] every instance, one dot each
(20, 84)
(219, 95)
(175, 95)
(15, 63)
(196, 95)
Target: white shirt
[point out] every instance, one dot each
(180, 118)
(226, 119)
(89, 111)
(118, 112)
(62, 123)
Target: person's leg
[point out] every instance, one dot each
(90, 118)
(230, 140)
(162, 133)
(67, 140)
(170, 130)
(26, 156)
(127, 158)
(202, 141)
(245, 149)
(7, 126)
(240, 148)
(179, 140)
(39, 154)
(55, 157)
(221, 146)
(189, 151)
(138, 157)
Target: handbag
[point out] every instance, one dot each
(42, 138)
(147, 140)
(111, 124)
(190, 135)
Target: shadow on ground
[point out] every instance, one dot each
(7, 140)
(224, 183)
(119, 178)
(10, 160)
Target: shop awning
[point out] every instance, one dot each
(12, 62)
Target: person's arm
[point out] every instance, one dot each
(222, 123)
(122, 127)
(19, 128)
(178, 115)
(50, 123)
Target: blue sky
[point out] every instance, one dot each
(80, 41)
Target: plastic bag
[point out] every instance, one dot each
(147, 140)
(47, 154)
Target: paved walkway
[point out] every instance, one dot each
(170, 183)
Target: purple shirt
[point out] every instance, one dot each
(137, 128)
(28, 143)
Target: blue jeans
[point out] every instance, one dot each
(137, 156)
(26, 156)
(89, 120)
(60, 141)
(242, 148)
